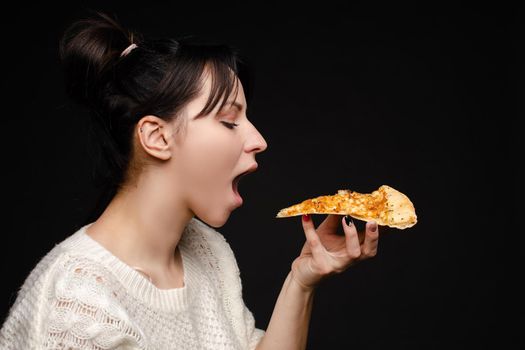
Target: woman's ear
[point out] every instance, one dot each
(154, 135)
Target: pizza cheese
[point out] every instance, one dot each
(386, 206)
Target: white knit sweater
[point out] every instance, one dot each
(80, 296)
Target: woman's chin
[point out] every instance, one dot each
(216, 221)
(219, 219)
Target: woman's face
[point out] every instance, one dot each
(212, 153)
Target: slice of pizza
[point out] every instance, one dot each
(386, 206)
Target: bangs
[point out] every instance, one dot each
(224, 83)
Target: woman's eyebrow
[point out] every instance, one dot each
(236, 105)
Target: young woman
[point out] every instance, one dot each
(171, 121)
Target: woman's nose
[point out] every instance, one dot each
(256, 142)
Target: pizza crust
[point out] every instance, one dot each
(386, 206)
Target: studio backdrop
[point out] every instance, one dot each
(347, 97)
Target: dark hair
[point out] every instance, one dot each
(159, 77)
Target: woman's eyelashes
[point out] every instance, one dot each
(229, 125)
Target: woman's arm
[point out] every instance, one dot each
(288, 327)
(324, 253)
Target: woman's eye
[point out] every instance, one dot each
(230, 125)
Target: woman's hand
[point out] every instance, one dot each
(325, 253)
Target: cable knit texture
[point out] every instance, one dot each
(81, 296)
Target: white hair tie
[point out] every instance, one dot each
(127, 50)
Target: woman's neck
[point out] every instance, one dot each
(141, 227)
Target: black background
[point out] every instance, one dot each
(421, 98)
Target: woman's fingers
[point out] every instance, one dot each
(352, 240)
(311, 236)
(369, 246)
(329, 224)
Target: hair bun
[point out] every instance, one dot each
(88, 49)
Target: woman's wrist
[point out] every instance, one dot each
(294, 283)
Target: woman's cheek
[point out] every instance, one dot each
(209, 162)
(206, 172)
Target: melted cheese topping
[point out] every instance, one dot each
(386, 206)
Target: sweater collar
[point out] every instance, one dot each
(136, 284)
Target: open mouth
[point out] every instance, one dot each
(235, 182)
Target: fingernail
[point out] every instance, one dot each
(306, 217)
(348, 220)
(373, 227)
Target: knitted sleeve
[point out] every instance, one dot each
(83, 311)
(214, 247)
